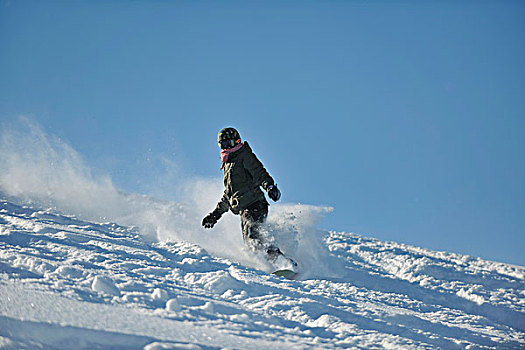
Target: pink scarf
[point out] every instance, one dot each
(226, 152)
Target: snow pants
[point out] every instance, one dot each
(252, 219)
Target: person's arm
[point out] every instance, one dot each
(261, 176)
(257, 171)
(222, 207)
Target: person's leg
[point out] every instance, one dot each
(273, 252)
(251, 220)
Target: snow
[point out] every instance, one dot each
(67, 283)
(104, 285)
(85, 266)
(159, 294)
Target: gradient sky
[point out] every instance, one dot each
(408, 117)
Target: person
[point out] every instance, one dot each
(244, 175)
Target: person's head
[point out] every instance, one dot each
(228, 138)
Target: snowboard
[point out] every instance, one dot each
(282, 265)
(289, 274)
(285, 267)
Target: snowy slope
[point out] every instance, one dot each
(70, 283)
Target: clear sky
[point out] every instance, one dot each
(408, 117)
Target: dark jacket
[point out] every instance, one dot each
(243, 176)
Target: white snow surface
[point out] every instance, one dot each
(67, 283)
(85, 266)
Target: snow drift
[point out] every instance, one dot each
(84, 265)
(67, 282)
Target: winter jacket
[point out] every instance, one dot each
(243, 176)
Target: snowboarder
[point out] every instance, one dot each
(244, 175)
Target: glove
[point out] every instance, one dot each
(274, 193)
(210, 220)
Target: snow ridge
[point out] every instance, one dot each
(69, 282)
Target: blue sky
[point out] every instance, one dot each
(408, 117)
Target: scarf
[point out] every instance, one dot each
(226, 152)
